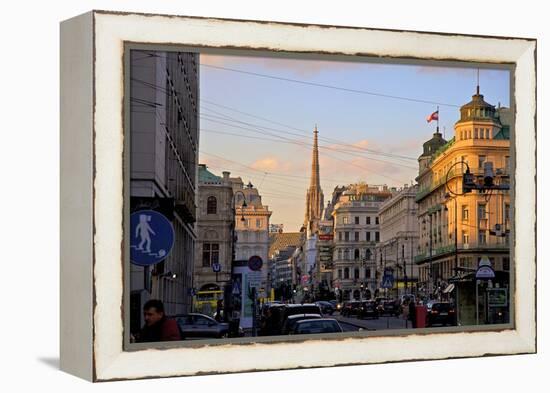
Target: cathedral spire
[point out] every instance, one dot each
(314, 197)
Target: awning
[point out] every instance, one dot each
(449, 288)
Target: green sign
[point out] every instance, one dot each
(497, 297)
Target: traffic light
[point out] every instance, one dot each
(468, 183)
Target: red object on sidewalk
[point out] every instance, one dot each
(421, 313)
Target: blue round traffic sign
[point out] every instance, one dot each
(151, 237)
(255, 263)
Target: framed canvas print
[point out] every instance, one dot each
(247, 195)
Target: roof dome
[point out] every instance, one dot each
(431, 146)
(477, 109)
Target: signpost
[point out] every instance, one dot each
(151, 237)
(484, 272)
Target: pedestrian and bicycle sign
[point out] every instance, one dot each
(151, 237)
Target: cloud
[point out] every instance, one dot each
(270, 164)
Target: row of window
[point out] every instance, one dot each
(346, 254)
(369, 236)
(356, 220)
(346, 272)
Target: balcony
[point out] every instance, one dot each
(471, 247)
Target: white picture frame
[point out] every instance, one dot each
(92, 148)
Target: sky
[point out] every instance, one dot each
(257, 116)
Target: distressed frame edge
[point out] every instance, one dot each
(530, 339)
(76, 207)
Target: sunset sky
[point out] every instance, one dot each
(258, 116)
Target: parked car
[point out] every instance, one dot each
(440, 313)
(305, 308)
(368, 309)
(291, 321)
(350, 308)
(326, 307)
(199, 325)
(271, 319)
(389, 307)
(313, 326)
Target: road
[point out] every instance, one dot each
(382, 323)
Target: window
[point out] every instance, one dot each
(345, 220)
(482, 237)
(339, 273)
(506, 264)
(346, 236)
(465, 237)
(340, 254)
(465, 213)
(481, 161)
(356, 254)
(507, 164)
(356, 236)
(368, 220)
(377, 236)
(367, 272)
(210, 254)
(211, 205)
(340, 236)
(368, 236)
(346, 254)
(357, 220)
(356, 273)
(258, 223)
(346, 272)
(377, 221)
(482, 211)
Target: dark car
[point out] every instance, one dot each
(305, 308)
(440, 313)
(291, 321)
(326, 307)
(271, 319)
(350, 308)
(389, 307)
(313, 326)
(200, 325)
(368, 309)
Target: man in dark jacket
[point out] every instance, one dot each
(157, 326)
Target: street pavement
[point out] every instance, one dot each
(382, 323)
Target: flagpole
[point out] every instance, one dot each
(438, 118)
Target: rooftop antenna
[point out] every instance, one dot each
(477, 89)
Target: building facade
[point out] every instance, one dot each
(215, 228)
(356, 236)
(251, 227)
(164, 138)
(458, 229)
(399, 239)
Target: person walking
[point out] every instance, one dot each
(412, 313)
(157, 326)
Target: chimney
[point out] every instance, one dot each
(226, 175)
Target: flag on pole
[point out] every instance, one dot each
(433, 116)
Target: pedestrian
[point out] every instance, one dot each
(219, 308)
(158, 327)
(412, 313)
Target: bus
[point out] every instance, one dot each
(205, 302)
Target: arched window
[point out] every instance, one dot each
(346, 272)
(211, 205)
(356, 273)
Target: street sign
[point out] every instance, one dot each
(485, 272)
(216, 267)
(151, 237)
(387, 281)
(255, 263)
